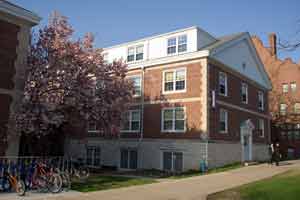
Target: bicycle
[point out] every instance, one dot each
(77, 169)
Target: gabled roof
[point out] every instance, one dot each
(19, 12)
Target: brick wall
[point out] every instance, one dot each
(235, 116)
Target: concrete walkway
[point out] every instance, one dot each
(194, 188)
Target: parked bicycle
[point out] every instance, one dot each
(77, 169)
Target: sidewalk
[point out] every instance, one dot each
(183, 189)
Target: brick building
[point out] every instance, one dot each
(15, 26)
(197, 97)
(285, 77)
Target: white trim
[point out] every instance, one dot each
(176, 44)
(174, 80)
(172, 151)
(173, 130)
(261, 94)
(246, 87)
(137, 76)
(134, 54)
(242, 109)
(262, 128)
(226, 121)
(183, 100)
(226, 84)
(19, 12)
(130, 121)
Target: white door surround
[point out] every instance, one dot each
(246, 130)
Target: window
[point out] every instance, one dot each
(244, 93)
(140, 52)
(105, 57)
(293, 87)
(285, 88)
(135, 53)
(223, 121)
(137, 84)
(130, 54)
(174, 80)
(179, 47)
(261, 127)
(131, 121)
(222, 83)
(92, 126)
(172, 161)
(93, 156)
(128, 159)
(297, 108)
(173, 119)
(283, 108)
(172, 45)
(261, 100)
(182, 43)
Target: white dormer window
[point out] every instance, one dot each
(172, 43)
(182, 43)
(244, 93)
(135, 53)
(177, 44)
(130, 54)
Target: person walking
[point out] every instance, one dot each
(271, 153)
(277, 153)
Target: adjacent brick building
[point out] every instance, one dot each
(15, 26)
(285, 77)
(197, 98)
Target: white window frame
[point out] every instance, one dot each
(280, 111)
(261, 127)
(226, 121)
(295, 88)
(141, 89)
(226, 84)
(294, 108)
(173, 120)
(172, 162)
(130, 121)
(244, 85)
(92, 130)
(135, 53)
(177, 44)
(174, 81)
(261, 98)
(285, 88)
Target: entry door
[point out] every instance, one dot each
(246, 148)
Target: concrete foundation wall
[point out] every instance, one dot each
(150, 152)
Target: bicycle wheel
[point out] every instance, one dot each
(66, 181)
(54, 183)
(20, 188)
(83, 172)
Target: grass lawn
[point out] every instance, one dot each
(285, 186)
(95, 183)
(210, 171)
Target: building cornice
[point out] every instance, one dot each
(19, 12)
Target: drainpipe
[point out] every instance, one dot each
(142, 105)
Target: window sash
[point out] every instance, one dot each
(293, 87)
(261, 100)
(139, 52)
(222, 83)
(131, 121)
(261, 127)
(174, 80)
(297, 108)
(223, 121)
(283, 109)
(285, 88)
(244, 93)
(175, 120)
(137, 84)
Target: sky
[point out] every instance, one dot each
(118, 21)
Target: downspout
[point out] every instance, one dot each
(142, 105)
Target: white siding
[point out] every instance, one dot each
(156, 47)
(237, 54)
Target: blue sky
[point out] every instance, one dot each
(117, 21)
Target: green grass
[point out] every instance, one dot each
(95, 183)
(285, 186)
(210, 171)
